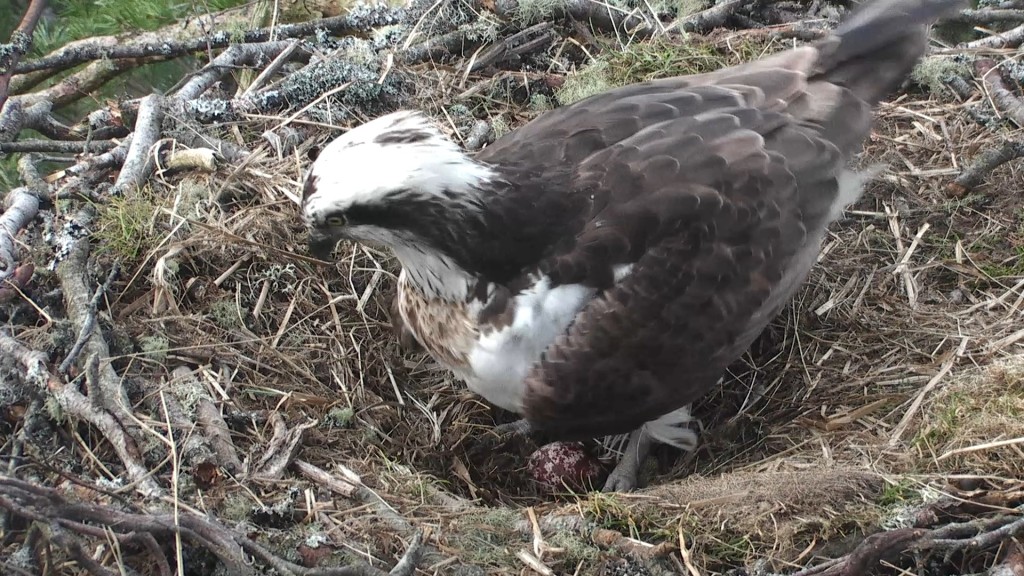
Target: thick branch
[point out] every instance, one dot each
(988, 16)
(1005, 101)
(90, 320)
(712, 17)
(983, 165)
(76, 404)
(233, 57)
(85, 81)
(1008, 39)
(138, 165)
(20, 206)
(57, 146)
(107, 391)
(112, 48)
(600, 15)
(15, 116)
(21, 41)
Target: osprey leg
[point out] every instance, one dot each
(626, 475)
(518, 428)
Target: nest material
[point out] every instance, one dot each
(870, 374)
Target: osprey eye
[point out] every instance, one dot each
(336, 220)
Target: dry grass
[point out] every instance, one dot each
(874, 369)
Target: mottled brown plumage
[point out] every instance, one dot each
(601, 266)
(711, 185)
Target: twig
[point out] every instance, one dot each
(406, 566)
(217, 432)
(975, 535)
(21, 42)
(71, 543)
(279, 61)
(435, 47)
(22, 205)
(16, 115)
(233, 57)
(80, 178)
(83, 82)
(523, 42)
(983, 165)
(342, 486)
(195, 450)
(284, 444)
(109, 408)
(90, 320)
(209, 110)
(19, 114)
(43, 504)
(74, 403)
(947, 364)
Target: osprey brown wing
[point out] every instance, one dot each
(718, 213)
(720, 210)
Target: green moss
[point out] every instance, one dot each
(540, 103)
(125, 225)
(500, 127)
(576, 548)
(486, 538)
(898, 493)
(943, 422)
(236, 507)
(658, 58)
(223, 313)
(530, 11)
(641, 522)
(935, 71)
(589, 80)
(340, 417)
(155, 347)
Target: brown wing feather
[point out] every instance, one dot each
(718, 188)
(722, 215)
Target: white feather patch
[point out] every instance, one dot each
(356, 169)
(672, 429)
(851, 187)
(502, 359)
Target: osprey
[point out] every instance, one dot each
(597, 270)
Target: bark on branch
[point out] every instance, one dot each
(21, 41)
(49, 506)
(116, 48)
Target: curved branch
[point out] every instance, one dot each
(21, 41)
(111, 48)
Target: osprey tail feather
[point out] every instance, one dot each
(877, 46)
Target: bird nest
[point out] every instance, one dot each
(267, 392)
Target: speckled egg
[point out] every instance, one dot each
(560, 465)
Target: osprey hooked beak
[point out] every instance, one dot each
(324, 232)
(322, 242)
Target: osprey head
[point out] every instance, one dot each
(373, 183)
